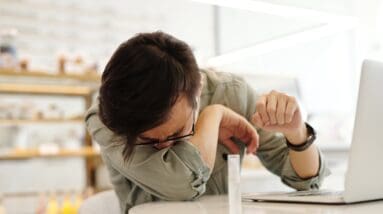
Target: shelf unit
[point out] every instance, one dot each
(45, 74)
(87, 151)
(21, 154)
(42, 89)
(34, 121)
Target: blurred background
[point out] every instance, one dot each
(52, 54)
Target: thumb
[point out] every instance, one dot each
(257, 121)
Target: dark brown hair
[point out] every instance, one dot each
(143, 80)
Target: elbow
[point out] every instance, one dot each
(309, 183)
(185, 194)
(99, 132)
(187, 189)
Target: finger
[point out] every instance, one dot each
(281, 108)
(251, 138)
(290, 110)
(247, 134)
(229, 144)
(256, 119)
(271, 107)
(254, 143)
(261, 108)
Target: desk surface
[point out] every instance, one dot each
(219, 205)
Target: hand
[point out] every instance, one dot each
(278, 112)
(234, 125)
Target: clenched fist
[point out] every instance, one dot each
(279, 112)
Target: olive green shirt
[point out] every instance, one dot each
(178, 172)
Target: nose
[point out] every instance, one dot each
(164, 145)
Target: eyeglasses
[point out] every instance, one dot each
(174, 139)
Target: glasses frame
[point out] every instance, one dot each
(175, 139)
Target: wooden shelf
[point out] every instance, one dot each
(60, 88)
(42, 74)
(19, 154)
(64, 90)
(33, 121)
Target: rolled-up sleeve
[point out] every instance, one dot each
(174, 173)
(273, 151)
(274, 155)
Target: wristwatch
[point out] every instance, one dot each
(303, 146)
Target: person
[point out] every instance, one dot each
(165, 125)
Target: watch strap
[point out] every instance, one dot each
(303, 146)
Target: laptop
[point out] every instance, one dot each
(364, 176)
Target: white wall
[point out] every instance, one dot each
(96, 28)
(327, 68)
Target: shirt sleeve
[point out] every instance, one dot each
(174, 173)
(273, 151)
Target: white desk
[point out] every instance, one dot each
(219, 205)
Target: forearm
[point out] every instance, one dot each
(206, 133)
(305, 163)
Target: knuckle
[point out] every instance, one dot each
(292, 99)
(284, 96)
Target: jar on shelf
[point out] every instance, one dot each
(8, 52)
